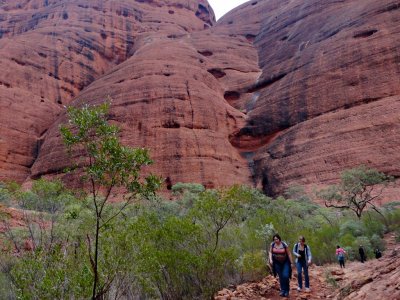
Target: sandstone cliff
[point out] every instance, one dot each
(276, 93)
(328, 96)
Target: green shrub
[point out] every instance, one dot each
(176, 250)
(347, 240)
(27, 200)
(194, 188)
(393, 219)
(377, 243)
(5, 196)
(374, 223)
(253, 265)
(353, 227)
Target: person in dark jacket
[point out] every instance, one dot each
(280, 259)
(378, 253)
(362, 254)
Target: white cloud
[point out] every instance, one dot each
(221, 7)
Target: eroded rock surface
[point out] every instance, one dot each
(328, 96)
(276, 93)
(51, 50)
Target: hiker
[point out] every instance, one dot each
(378, 253)
(362, 254)
(303, 260)
(280, 259)
(340, 254)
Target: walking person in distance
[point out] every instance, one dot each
(361, 251)
(340, 254)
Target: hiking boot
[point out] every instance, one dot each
(299, 289)
(308, 290)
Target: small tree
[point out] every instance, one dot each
(359, 187)
(105, 164)
(215, 209)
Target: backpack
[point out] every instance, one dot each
(341, 255)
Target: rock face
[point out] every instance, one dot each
(51, 50)
(276, 93)
(328, 96)
(174, 107)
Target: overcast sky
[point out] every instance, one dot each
(221, 7)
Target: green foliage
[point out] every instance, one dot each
(296, 192)
(374, 223)
(106, 164)
(253, 265)
(178, 250)
(52, 274)
(393, 217)
(377, 242)
(12, 186)
(359, 188)
(45, 196)
(352, 227)
(193, 188)
(5, 196)
(215, 209)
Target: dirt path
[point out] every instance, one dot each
(375, 279)
(268, 288)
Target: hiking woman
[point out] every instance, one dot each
(302, 252)
(281, 260)
(340, 254)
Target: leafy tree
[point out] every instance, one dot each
(216, 208)
(106, 165)
(359, 188)
(296, 192)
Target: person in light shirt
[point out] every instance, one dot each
(302, 252)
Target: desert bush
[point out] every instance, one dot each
(253, 265)
(353, 227)
(160, 249)
(5, 196)
(374, 223)
(392, 214)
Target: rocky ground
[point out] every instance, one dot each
(371, 280)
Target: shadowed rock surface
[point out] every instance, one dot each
(328, 96)
(276, 93)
